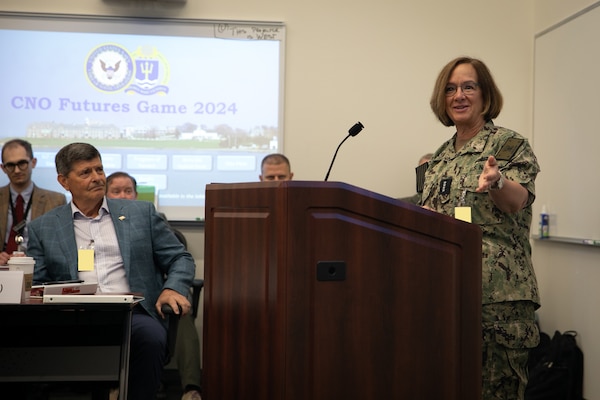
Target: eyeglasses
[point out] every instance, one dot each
(22, 164)
(468, 88)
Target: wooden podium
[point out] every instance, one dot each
(325, 291)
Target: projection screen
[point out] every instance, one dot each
(177, 104)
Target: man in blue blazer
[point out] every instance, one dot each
(123, 245)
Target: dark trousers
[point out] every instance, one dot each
(147, 355)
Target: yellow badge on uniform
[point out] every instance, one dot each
(463, 213)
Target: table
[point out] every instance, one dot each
(41, 342)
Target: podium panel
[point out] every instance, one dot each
(321, 290)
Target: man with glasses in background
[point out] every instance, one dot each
(21, 200)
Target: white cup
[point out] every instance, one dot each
(25, 264)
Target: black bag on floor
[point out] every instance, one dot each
(556, 368)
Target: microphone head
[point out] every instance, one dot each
(356, 128)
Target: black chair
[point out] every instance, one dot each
(171, 377)
(196, 289)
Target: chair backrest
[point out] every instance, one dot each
(180, 236)
(197, 286)
(167, 310)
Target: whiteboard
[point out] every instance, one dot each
(566, 124)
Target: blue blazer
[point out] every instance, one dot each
(149, 248)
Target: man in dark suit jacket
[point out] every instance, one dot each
(18, 164)
(132, 247)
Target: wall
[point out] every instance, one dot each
(567, 273)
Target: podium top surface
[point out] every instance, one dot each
(320, 194)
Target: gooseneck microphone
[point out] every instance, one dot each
(355, 130)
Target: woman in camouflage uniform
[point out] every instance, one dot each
(489, 172)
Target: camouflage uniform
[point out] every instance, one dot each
(509, 287)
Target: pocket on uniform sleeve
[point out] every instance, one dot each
(517, 334)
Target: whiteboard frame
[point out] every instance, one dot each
(563, 127)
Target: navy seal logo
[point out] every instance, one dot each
(110, 68)
(152, 72)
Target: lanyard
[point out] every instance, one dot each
(20, 224)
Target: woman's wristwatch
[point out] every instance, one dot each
(499, 184)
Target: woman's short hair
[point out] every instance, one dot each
(490, 94)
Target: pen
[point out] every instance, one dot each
(63, 282)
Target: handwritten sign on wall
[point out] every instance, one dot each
(250, 32)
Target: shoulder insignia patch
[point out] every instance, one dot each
(509, 149)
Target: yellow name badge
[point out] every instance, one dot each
(86, 260)
(463, 213)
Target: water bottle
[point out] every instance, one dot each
(544, 224)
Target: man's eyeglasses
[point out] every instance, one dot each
(468, 88)
(22, 164)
